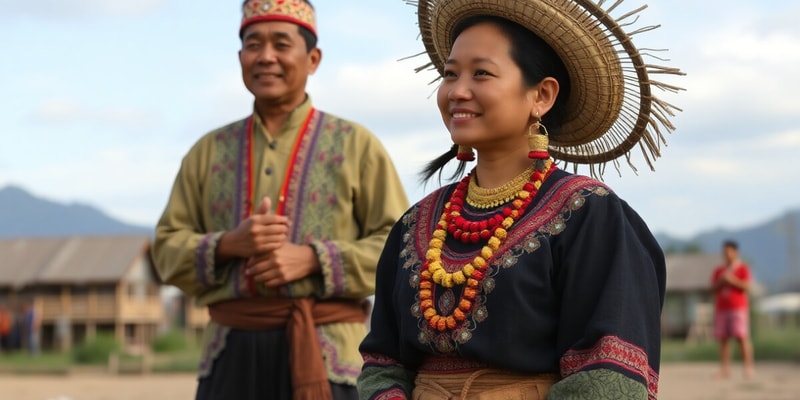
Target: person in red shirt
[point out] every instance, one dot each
(730, 283)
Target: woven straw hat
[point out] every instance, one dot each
(611, 107)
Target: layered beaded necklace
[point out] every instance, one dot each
(492, 229)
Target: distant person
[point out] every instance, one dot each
(31, 328)
(276, 223)
(5, 328)
(730, 284)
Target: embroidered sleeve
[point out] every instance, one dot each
(333, 272)
(385, 374)
(383, 378)
(183, 257)
(611, 282)
(597, 384)
(209, 273)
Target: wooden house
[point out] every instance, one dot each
(81, 286)
(688, 305)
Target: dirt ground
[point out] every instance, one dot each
(773, 381)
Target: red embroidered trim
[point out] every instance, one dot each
(392, 394)
(380, 360)
(279, 209)
(612, 350)
(246, 211)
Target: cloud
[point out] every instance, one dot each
(130, 181)
(368, 21)
(63, 111)
(784, 141)
(231, 96)
(385, 95)
(747, 68)
(79, 8)
(760, 160)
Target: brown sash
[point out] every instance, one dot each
(299, 317)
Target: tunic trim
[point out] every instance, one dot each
(611, 350)
(379, 360)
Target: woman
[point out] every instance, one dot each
(521, 280)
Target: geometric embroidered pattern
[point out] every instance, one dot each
(615, 351)
(380, 360)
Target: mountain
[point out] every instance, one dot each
(772, 249)
(22, 214)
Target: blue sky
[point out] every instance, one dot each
(101, 99)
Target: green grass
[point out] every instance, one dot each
(182, 361)
(96, 350)
(781, 345)
(170, 342)
(62, 363)
(171, 353)
(778, 346)
(46, 363)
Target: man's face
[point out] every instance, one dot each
(275, 63)
(730, 254)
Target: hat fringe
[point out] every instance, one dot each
(629, 14)
(642, 111)
(643, 119)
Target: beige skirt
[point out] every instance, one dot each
(483, 384)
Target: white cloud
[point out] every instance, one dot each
(368, 20)
(228, 100)
(788, 141)
(44, 83)
(747, 68)
(130, 181)
(75, 8)
(62, 110)
(387, 95)
(58, 110)
(716, 168)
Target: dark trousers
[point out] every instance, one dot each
(255, 366)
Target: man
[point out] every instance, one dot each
(276, 223)
(730, 284)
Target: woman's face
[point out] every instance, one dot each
(482, 98)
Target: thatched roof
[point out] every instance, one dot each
(688, 272)
(71, 260)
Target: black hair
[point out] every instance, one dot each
(536, 59)
(309, 37)
(730, 243)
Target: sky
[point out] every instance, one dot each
(101, 99)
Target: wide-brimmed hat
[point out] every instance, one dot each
(611, 106)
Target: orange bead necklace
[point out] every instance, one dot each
(493, 230)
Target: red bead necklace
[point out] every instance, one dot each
(472, 273)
